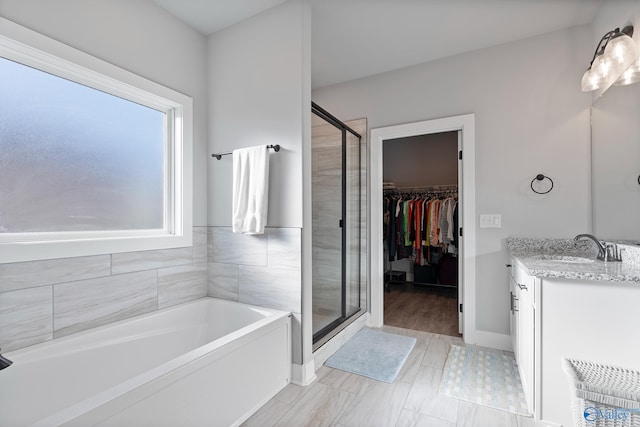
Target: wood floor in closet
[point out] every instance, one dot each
(422, 308)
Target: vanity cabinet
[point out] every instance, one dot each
(522, 288)
(563, 312)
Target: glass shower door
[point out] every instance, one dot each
(338, 223)
(352, 226)
(327, 218)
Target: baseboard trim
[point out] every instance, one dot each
(323, 353)
(493, 340)
(303, 375)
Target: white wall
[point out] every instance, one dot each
(531, 117)
(139, 37)
(255, 97)
(260, 93)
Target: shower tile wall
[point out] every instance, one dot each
(43, 300)
(263, 270)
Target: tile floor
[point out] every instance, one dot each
(342, 399)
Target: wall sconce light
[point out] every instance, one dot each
(616, 57)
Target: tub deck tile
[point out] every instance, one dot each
(270, 287)
(148, 260)
(26, 317)
(223, 281)
(227, 247)
(283, 248)
(89, 303)
(22, 275)
(181, 284)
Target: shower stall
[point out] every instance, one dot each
(339, 224)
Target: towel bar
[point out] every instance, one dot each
(276, 148)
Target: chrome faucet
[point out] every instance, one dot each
(606, 251)
(4, 362)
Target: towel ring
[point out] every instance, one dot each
(540, 177)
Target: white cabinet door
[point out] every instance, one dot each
(523, 329)
(526, 342)
(513, 318)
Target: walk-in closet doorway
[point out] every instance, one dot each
(420, 189)
(464, 126)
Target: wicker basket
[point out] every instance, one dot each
(603, 396)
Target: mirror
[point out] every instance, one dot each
(615, 164)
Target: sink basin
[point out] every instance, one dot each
(564, 258)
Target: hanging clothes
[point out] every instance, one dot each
(420, 226)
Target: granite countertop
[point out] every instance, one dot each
(537, 257)
(596, 270)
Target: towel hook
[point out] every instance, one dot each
(540, 177)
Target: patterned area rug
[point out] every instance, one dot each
(374, 354)
(484, 377)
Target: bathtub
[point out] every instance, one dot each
(207, 362)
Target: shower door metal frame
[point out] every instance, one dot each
(331, 119)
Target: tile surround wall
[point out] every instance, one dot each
(44, 300)
(264, 270)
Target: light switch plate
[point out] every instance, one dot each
(490, 221)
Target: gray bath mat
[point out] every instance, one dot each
(374, 354)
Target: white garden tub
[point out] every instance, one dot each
(208, 362)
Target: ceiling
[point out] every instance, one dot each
(357, 38)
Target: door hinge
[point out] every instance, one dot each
(460, 308)
(460, 231)
(460, 154)
(340, 223)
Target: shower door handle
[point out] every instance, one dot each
(340, 223)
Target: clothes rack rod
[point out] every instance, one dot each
(218, 156)
(449, 187)
(429, 191)
(432, 190)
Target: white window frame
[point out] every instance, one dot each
(27, 47)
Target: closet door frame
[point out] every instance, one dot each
(465, 125)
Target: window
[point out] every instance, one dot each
(92, 158)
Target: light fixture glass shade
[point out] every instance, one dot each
(630, 76)
(603, 67)
(615, 62)
(591, 81)
(621, 50)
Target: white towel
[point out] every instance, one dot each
(250, 189)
